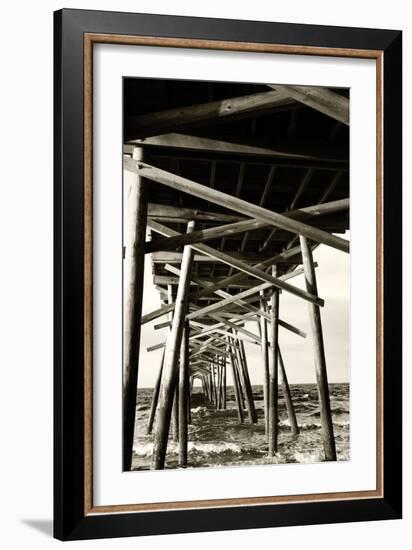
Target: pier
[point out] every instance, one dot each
(230, 189)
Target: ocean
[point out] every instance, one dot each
(217, 439)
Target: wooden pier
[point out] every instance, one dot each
(232, 187)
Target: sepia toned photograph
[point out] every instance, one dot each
(236, 274)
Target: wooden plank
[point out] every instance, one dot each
(168, 213)
(154, 123)
(172, 257)
(241, 266)
(233, 147)
(319, 354)
(321, 99)
(234, 203)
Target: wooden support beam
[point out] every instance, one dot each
(205, 283)
(263, 198)
(236, 389)
(178, 214)
(241, 266)
(203, 235)
(223, 199)
(231, 146)
(135, 234)
(288, 396)
(273, 372)
(321, 99)
(169, 120)
(219, 305)
(239, 277)
(171, 243)
(319, 354)
(224, 387)
(265, 361)
(302, 187)
(170, 368)
(183, 396)
(155, 398)
(250, 404)
(223, 283)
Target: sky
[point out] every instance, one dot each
(333, 278)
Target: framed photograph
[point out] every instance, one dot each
(227, 274)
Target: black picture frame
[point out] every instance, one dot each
(70, 520)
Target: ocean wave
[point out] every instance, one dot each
(313, 425)
(215, 448)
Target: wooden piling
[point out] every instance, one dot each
(265, 360)
(319, 354)
(175, 411)
(287, 395)
(170, 368)
(183, 395)
(155, 397)
(273, 371)
(134, 243)
(219, 385)
(248, 387)
(224, 385)
(236, 388)
(189, 402)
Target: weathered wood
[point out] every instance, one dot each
(155, 397)
(219, 385)
(134, 238)
(236, 389)
(319, 355)
(230, 260)
(171, 243)
(265, 361)
(239, 277)
(302, 187)
(183, 396)
(175, 412)
(321, 99)
(178, 214)
(231, 146)
(163, 121)
(175, 408)
(263, 199)
(287, 395)
(222, 303)
(234, 203)
(250, 404)
(273, 371)
(203, 235)
(205, 283)
(224, 385)
(170, 368)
